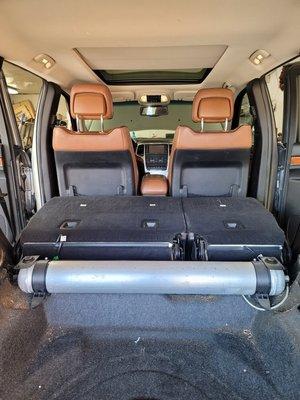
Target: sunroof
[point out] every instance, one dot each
(153, 77)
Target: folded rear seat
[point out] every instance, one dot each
(107, 228)
(152, 228)
(231, 228)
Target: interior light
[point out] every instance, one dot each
(45, 60)
(12, 90)
(164, 98)
(259, 56)
(143, 98)
(151, 99)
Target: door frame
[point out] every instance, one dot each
(12, 146)
(291, 104)
(265, 130)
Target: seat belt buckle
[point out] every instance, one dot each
(183, 191)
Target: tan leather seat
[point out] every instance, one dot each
(211, 163)
(94, 163)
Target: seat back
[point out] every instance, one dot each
(94, 163)
(211, 163)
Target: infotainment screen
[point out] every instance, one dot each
(157, 149)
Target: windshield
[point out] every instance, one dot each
(145, 127)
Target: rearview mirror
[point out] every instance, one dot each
(153, 111)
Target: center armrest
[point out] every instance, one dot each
(154, 185)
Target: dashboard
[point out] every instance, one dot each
(155, 156)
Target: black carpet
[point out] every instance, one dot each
(128, 347)
(111, 219)
(92, 225)
(102, 221)
(230, 220)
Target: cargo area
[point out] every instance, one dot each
(141, 345)
(146, 347)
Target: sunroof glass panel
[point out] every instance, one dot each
(153, 77)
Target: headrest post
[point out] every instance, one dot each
(226, 125)
(202, 124)
(78, 124)
(101, 123)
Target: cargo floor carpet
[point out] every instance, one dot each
(130, 347)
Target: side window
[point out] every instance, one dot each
(24, 89)
(245, 117)
(63, 113)
(275, 81)
(275, 84)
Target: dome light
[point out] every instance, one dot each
(259, 56)
(45, 60)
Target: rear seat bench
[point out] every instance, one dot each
(109, 245)
(152, 227)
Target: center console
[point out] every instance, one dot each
(156, 157)
(154, 185)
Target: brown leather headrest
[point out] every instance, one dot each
(213, 105)
(90, 100)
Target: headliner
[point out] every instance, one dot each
(139, 28)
